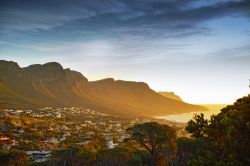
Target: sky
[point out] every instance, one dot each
(199, 49)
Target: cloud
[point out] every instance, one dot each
(111, 15)
(141, 28)
(232, 53)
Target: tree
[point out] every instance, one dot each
(186, 150)
(197, 126)
(72, 156)
(225, 137)
(154, 137)
(13, 157)
(112, 157)
(144, 156)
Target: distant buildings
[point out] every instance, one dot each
(58, 115)
(52, 140)
(109, 141)
(57, 127)
(39, 156)
(6, 142)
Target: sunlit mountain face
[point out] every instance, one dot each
(197, 48)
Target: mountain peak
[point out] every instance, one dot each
(46, 66)
(8, 65)
(121, 83)
(106, 80)
(171, 95)
(53, 65)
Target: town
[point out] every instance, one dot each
(39, 132)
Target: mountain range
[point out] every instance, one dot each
(51, 85)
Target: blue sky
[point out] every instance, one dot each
(198, 48)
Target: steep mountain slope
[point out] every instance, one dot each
(15, 88)
(62, 86)
(51, 85)
(41, 85)
(171, 95)
(137, 97)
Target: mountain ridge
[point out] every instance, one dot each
(52, 85)
(171, 95)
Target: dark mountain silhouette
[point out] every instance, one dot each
(171, 95)
(51, 85)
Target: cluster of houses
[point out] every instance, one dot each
(92, 123)
(85, 124)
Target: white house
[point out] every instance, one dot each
(39, 156)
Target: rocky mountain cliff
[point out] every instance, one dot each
(51, 85)
(171, 95)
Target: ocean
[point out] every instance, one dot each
(185, 117)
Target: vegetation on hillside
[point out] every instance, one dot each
(224, 139)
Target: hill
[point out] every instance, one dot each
(51, 85)
(171, 95)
